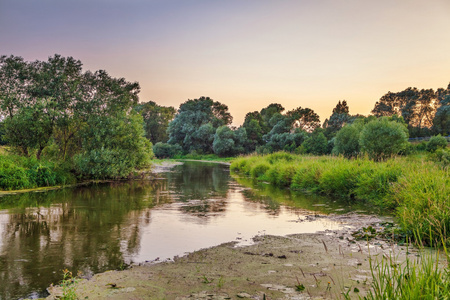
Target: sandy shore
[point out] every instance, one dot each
(326, 264)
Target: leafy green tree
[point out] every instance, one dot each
(29, 130)
(194, 126)
(316, 143)
(441, 121)
(254, 134)
(14, 82)
(156, 120)
(164, 150)
(338, 119)
(347, 140)
(417, 107)
(223, 144)
(383, 138)
(113, 146)
(304, 119)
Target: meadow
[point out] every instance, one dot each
(414, 188)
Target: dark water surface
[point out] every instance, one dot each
(109, 226)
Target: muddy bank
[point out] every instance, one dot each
(303, 266)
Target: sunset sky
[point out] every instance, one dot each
(243, 53)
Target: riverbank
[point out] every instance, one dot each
(417, 190)
(302, 266)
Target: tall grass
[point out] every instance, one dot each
(18, 172)
(415, 189)
(422, 278)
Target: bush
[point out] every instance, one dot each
(436, 142)
(316, 144)
(382, 138)
(347, 140)
(164, 150)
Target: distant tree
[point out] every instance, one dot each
(304, 119)
(164, 150)
(383, 138)
(338, 119)
(417, 107)
(316, 143)
(194, 126)
(156, 120)
(268, 113)
(347, 139)
(223, 144)
(441, 121)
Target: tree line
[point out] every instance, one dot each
(54, 108)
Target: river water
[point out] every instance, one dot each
(111, 225)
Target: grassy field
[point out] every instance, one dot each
(416, 189)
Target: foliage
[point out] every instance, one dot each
(417, 190)
(156, 120)
(113, 147)
(422, 278)
(436, 142)
(316, 144)
(347, 140)
(442, 156)
(383, 138)
(68, 285)
(164, 150)
(441, 121)
(21, 173)
(194, 126)
(417, 107)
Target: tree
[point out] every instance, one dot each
(347, 140)
(338, 119)
(316, 143)
(441, 121)
(417, 107)
(223, 144)
(113, 146)
(383, 138)
(164, 150)
(194, 126)
(156, 120)
(14, 82)
(304, 119)
(30, 129)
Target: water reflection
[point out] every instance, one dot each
(96, 228)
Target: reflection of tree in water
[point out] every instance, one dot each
(204, 187)
(273, 197)
(91, 229)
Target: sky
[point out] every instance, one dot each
(243, 53)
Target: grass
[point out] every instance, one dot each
(18, 172)
(415, 189)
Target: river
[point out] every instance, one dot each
(106, 226)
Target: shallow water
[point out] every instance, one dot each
(108, 226)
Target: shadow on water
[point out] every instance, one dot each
(108, 226)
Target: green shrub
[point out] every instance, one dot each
(347, 140)
(164, 150)
(383, 138)
(436, 142)
(259, 169)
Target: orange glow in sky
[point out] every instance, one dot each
(246, 54)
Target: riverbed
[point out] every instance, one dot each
(113, 225)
